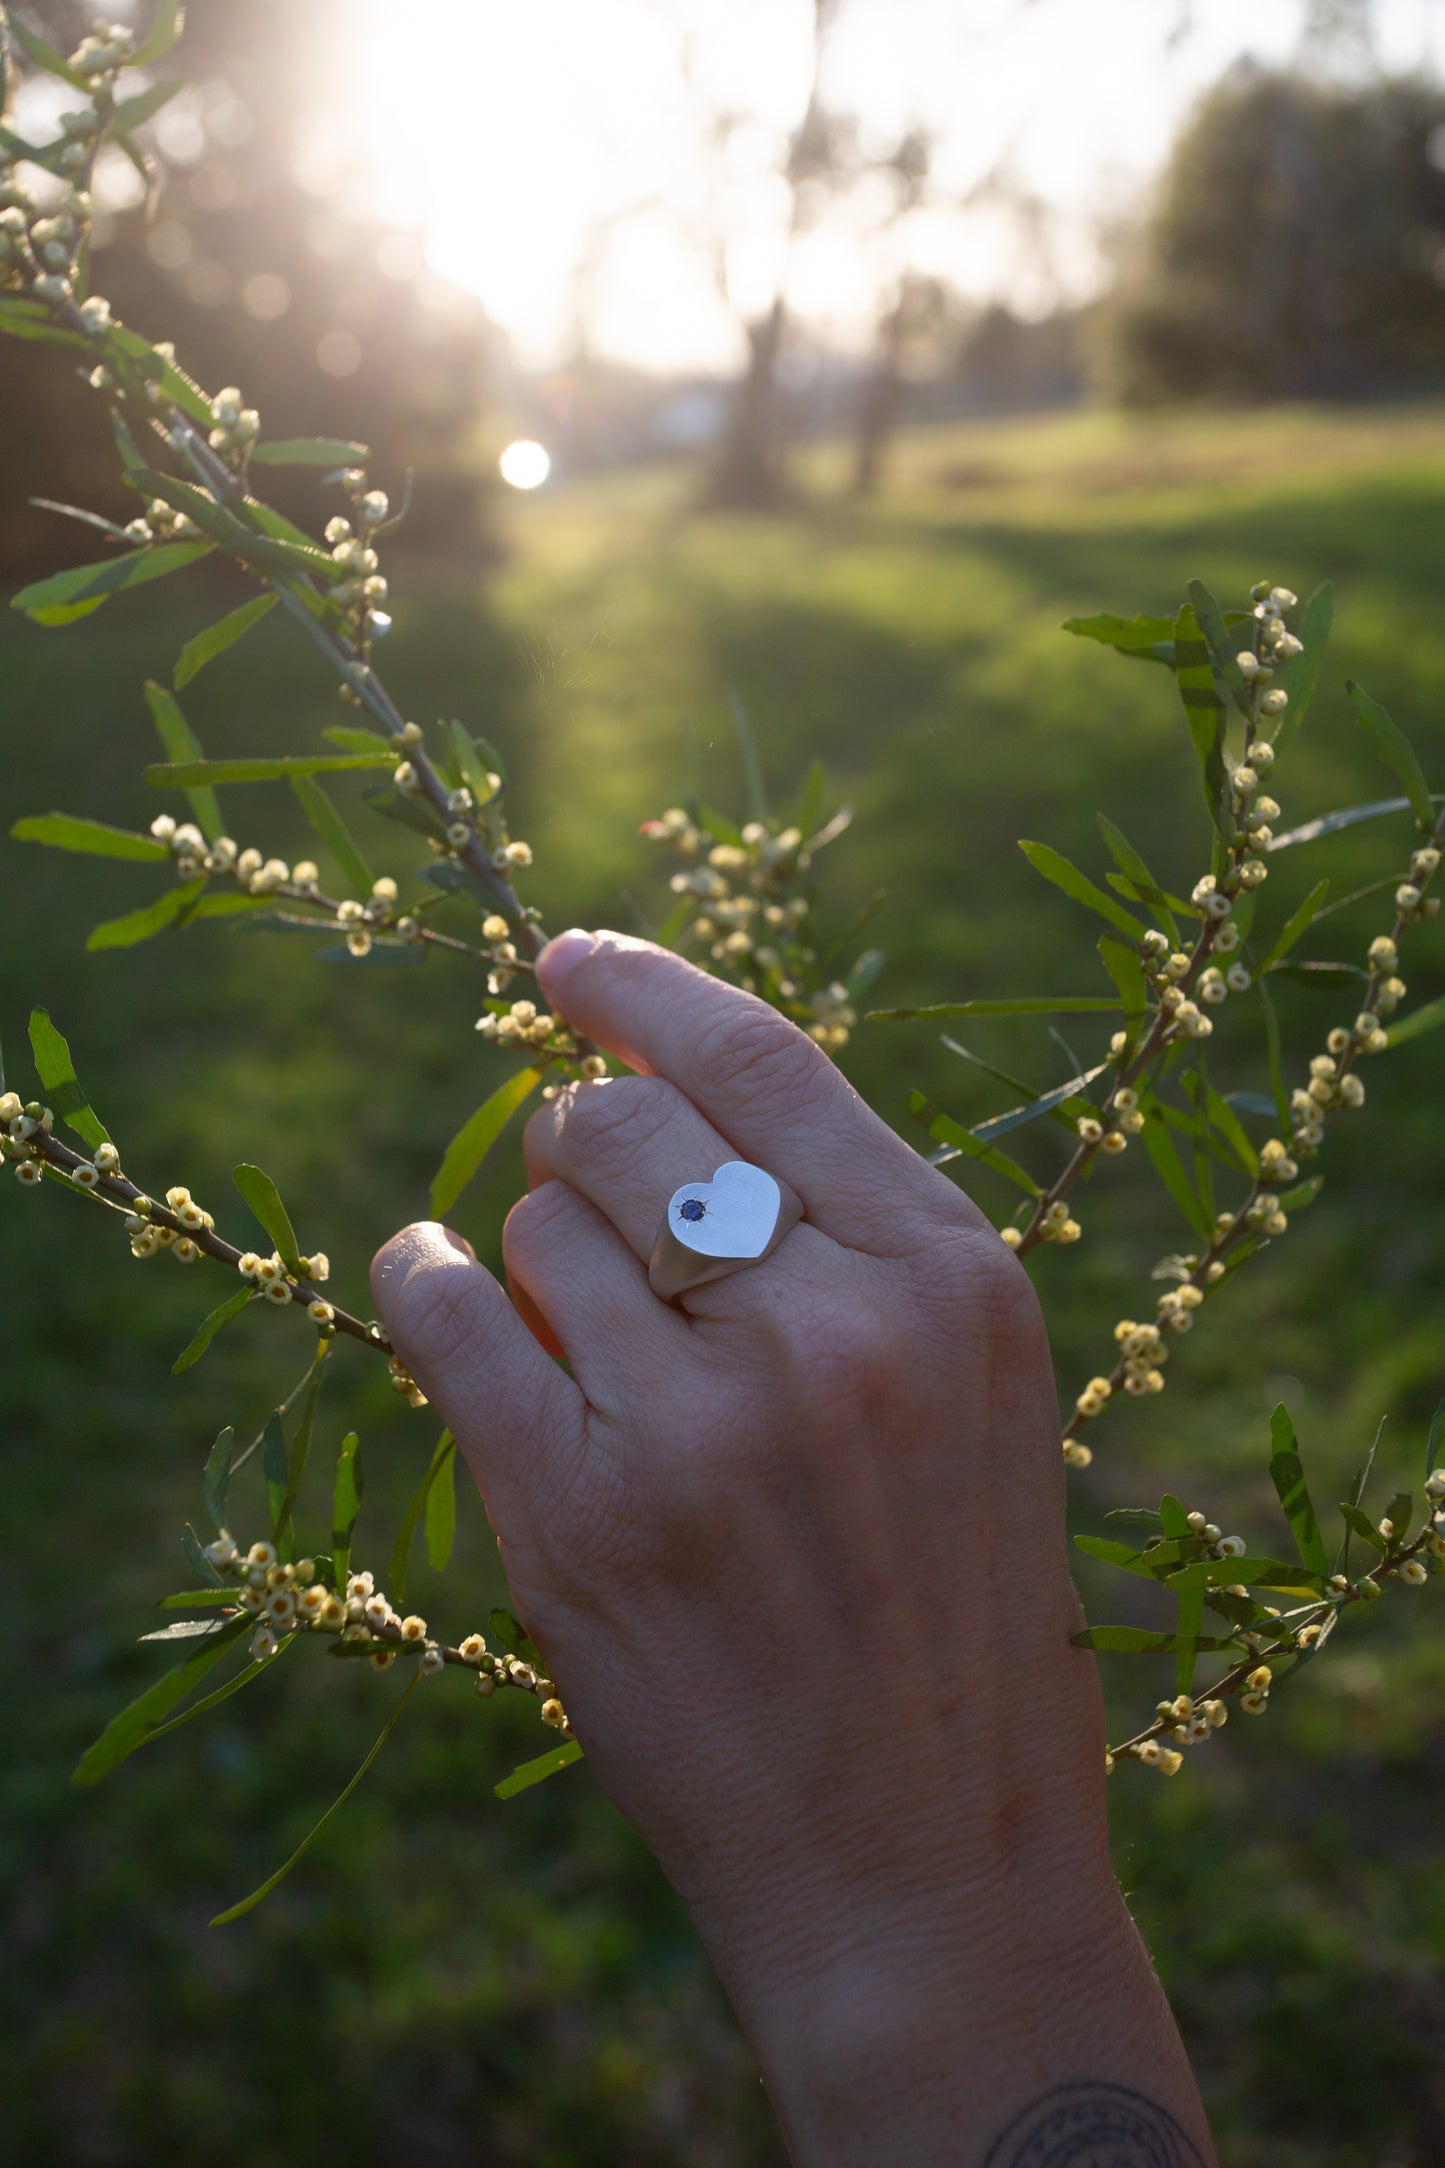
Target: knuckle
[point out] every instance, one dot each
(614, 1126)
(752, 1045)
(435, 1317)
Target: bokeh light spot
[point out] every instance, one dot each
(338, 353)
(525, 464)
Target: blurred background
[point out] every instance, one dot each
(856, 344)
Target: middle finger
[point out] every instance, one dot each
(626, 1143)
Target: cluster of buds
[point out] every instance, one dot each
(359, 588)
(525, 1025)
(39, 248)
(403, 1382)
(1185, 1722)
(752, 921)
(1055, 1225)
(1120, 1120)
(19, 1122)
(1165, 968)
(148, 1237)
(103, 51)
(235, 426)
(356, 920)
(161, 523)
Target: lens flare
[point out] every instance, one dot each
(525, 464)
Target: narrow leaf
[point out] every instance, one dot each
(166, 26)
(172, 775)
(143, 925)
(134, 112)
(45, 56)
(1204, 711)
(1328, 824)
(1394, 749)
(64, 832)
(1276, 1060)
(1436, 1440)
(1287, 1474)
(83, 588)
(262, 1195)
(1152, 637)
(216, 638)
(535, 1772)
(345, 1506)
(300, 1447)
(1223, 647)
(63, 1092)
(1302, 672)
(1129, 862)
(514, 1636)
(1063, 1095)
(216, 1481)
(1418, 1022)
(1363, 1526)
(181, 742)
(1047, 1005)
(944, 1130)
(131, 1728)
(209, 1326)
(247, 1904)
(275, 1465)
(1169, 1168)
(748, 749)
(1056, 868)
(441, 1514)
(1136, 1641)
(334, 833)
(1127, 972)
(251, 1670)
(197, 1560)
(1294, 927)
(310, 452)
(417, 1504)
(472, 1142)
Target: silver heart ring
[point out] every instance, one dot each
(713, 1228)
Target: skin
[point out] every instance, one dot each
(795, 1553)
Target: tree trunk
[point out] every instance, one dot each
(748, 472)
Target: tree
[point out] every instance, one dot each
(1296, 247)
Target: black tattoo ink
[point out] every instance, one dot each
(1094, 2126)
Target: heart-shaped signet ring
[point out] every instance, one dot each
(713, 1228)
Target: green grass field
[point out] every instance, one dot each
(449, 1979)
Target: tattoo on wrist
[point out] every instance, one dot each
(1093, 2126)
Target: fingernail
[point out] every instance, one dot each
(459, 1242)
(560, 958)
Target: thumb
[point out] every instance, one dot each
(516, 1417)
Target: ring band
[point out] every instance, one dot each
(713, 1228)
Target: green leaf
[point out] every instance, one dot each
(1150, 638)
(198, 1599)
(247, 1904)
(1204, 710)
(1363, 1526)
(1273, 1573)
(310, 452)
(275, 1464)
(143, 925)
(1321, 978)
(300, 1447)
(748, 752)
(134, 112)
(83, 588)
(1294, 927)
(166, 25)
(261, 551)
(1301, 673)
(535, 1772)
(1174, 1518)
(1328, 824)
(1136, 1641)
(1227, 1122)
(1169, 1168)
(1152, 1565)
(1048, 1005)
(944, 1130)
(183, 1629)
(262, 1195)
(1223, 649)
(17, 321)
(472, 1142)
(354, 740)
(209, 1326)
(45, 56)
(65, 832)
(1137, 1517)
(216, 638)
(216, 1480)
(408, 812)
(417, 1504)
(1125, 969)
(1288, 1476)
(197, 1560)
(1129, 862)
(345, 1506)
(251, 1670)
(1395, 750)
(334, 833)
(1063, 1095)
(1413, 1026)
(1302, 1195)
(1276, 1061)
(441, 1515)
(63, 1092)
(1436, 1439)
(1400, 1512)
(514, 1637)
(1056, 868)
(181, 742)
(135, 1723)
(171, 775)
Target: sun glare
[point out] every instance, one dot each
(525, 464)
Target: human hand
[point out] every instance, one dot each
(794, 1553)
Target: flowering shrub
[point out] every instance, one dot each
(745, 906)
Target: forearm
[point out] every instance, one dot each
(956, 2038)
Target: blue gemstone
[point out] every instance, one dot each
(693, 1209)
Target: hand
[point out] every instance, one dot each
(794, 1552)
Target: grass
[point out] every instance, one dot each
(448, 1978)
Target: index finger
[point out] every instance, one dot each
(763, 1083)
